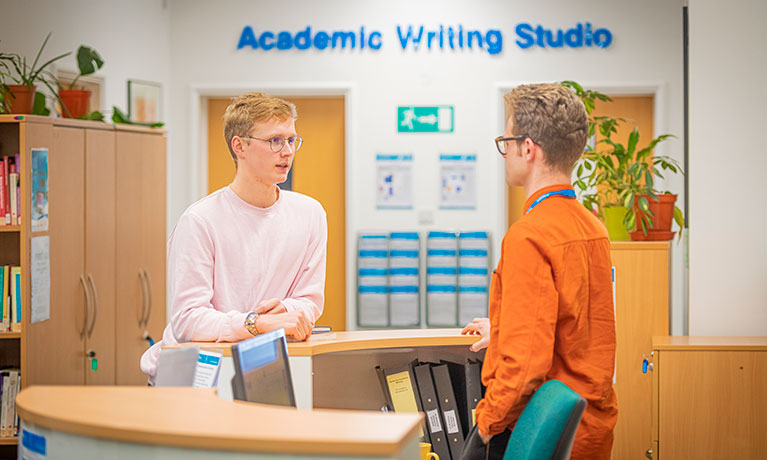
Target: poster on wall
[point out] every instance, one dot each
(39, 212)
(458, 181)
(394, 181)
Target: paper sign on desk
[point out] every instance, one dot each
(206, 372)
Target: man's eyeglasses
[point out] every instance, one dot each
(500, 142)
(277, 143)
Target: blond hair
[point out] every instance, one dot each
(554, 118)
(251, 108)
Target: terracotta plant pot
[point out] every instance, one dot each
(660, 222)
(75, 101)
(21, 99)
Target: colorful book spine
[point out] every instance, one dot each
(3, 191)
(6, 298)
(13, 186)
(16, 299)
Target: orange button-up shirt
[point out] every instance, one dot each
(552, 317)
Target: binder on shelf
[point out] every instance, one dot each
(384, 390)
(403, 390)
(467, 384)
(448, 409)
(430, 406)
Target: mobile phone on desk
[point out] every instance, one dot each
(320, 329)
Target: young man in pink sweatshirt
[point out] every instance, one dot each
(248, 258)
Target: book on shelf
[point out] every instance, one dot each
(16, 299)
(10, 387)
(13, 185)
(3, 190)
(6, 291)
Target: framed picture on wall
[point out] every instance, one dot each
(144, 101)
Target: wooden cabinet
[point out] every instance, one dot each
(140, 248)
(709, 397)
(642, 309)
(100, 177)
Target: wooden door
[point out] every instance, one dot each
(55, 347)
(318, 171)
(637, 110)
(140, 197)
(100, 209)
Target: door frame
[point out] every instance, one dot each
(198, 122)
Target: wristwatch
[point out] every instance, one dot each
(250, 323)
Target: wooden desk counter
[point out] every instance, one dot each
(362, 340)
(317, 364)
(198, 419)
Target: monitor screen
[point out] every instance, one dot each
(261, 370)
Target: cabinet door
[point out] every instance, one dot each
(100, 255)
(55, 346)
(140, 303)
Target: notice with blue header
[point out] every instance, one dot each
(458, 181)
(394, 181)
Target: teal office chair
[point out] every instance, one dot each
(546, 428)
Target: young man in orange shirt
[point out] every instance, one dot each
(551, 308)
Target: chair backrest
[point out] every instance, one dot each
(546, 429)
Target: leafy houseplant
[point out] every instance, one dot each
(74, 102)
(612, 175)
(20, 97)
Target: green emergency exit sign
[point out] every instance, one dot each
(425, 119)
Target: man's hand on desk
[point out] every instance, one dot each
(295, 323)
(479, 326)
(270, 306)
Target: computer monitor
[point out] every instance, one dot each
(261, 370)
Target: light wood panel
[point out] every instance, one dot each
(198, 419)
(140, 196)
(318, 171)
(100, 253)
(712, 405)
(642, 280)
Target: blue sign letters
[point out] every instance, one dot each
(416, 38)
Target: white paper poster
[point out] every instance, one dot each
(458, 181)
(40, 272)
(394, 181)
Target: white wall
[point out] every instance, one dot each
(204, 38)
(131, 37)
(728, 168)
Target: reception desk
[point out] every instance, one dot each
(188, 423)
(337, 370)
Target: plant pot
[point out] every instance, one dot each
(614, 216)
(74, 102)
(21, 98)
(660, 222)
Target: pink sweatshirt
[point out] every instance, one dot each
(225, 256)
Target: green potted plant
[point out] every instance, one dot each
(20, 96)
(74, 101)
(617, 180)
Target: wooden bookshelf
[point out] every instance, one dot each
(10, 228)
(9, 441)
(10, 335)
